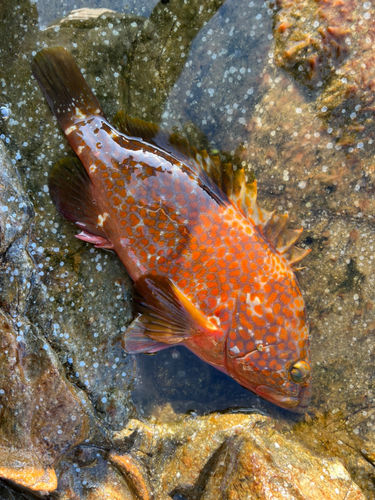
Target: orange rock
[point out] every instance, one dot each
(33, 478)
(132, 469)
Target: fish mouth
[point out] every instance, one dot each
(297, 404)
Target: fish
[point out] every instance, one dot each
(212, 270)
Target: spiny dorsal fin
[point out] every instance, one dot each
(295, 255)
(230, 180)
(286, 239)
(135, 127)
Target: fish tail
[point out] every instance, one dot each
(64, 87)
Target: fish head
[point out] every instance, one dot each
(268, 346)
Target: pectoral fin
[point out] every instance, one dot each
(72, 192)
(167, 316)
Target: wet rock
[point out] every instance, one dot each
(111, 37)
(17, 279)
(328, 192)
(134, 472)
(34, 398)
(337, 434)
(237, 456)
(50, 12)
(81, 317)
(83, 15)
(310, 38)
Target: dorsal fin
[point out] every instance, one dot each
(229, 179)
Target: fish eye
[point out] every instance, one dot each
(300, 372)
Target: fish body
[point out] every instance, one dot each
(206, 274)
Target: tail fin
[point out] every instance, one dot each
(64, 87)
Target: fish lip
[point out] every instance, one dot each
(296, 404)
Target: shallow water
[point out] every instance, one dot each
(214, 71)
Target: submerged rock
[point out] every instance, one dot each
(160, 53)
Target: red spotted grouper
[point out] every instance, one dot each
(212, 270)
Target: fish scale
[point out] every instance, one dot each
(206, 273)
